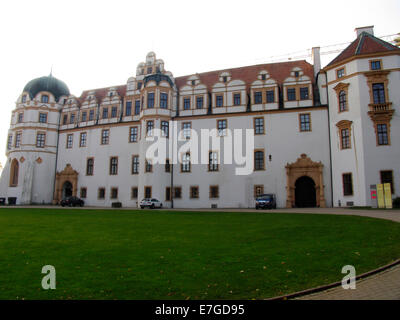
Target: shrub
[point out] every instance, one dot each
(396, 203)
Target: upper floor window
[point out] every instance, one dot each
(45, 98)
(185, 166)
(340, 73)
(163, 100)
(139, 85)
(305, 122)
(257, 97)
(42, 117)
(17, 142)
(345, 138)
(40, 140)
(378, 90)
(186, 103)
(114, 166)
(89, 166)
(128, 108)
(236, 99)
(342, 101)
(113, 112)
(259, 160)
(149, 70)
(135, 164)
(133, 134)
(376, 65)
(149, 128)
(105, 113)
(84, 116)
(219, 100)
(91, 115)
(165, 128)
(65, 119)
(9, 142)
(291, 94)
(150, 100)
(304, 93)
(199, 102)
(82, 139)
(383, 137)
(222, 125)
(187, 127)
(70, 138)
(72, 118)
(105, 136)
(20, 117)
(137, 107)
(213, 161)
(259, 125)
(149, 166)
(270, 96)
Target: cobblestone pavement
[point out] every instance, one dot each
(382, 286)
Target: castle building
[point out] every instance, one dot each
(321, 136)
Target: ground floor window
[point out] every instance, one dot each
(258, 190)
(194, 192)
(167, 194)
(101, 193)
(114, 193)
(147, 192)
(177, 192)
(83, 193)
(347, 184)
(134, 193)
(214, 192)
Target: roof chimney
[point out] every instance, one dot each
(369, 29)
(316, 57)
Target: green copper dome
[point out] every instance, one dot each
(50, 84)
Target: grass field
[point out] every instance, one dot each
(111, 254)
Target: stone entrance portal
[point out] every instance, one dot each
(66, 183)
(306, 175)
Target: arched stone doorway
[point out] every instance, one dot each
(304, 167)
(68, 175)
(67, 190)
(305, 193)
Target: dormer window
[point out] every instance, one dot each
(110, 94)
(45, 98)
(149, 70)
(225, 79)
(24, 98)
(376, 65)
(263, 77)
(193, 82)
(296, 74)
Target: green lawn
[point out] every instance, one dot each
(111, 254)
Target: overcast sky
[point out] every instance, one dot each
(92, 44)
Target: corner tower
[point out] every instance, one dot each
(28, 174)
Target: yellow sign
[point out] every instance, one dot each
(388, 196)
(381, 196)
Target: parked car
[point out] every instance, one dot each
(266, 201)
(151, 203)
(72, 202)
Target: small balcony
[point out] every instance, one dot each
(380, 107)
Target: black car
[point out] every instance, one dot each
(266, 201)
(72, 202)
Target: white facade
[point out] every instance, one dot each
(91, 141)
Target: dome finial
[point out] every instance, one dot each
(51, 71)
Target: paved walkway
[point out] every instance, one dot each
(382, 286)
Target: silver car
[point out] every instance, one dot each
(151, 203)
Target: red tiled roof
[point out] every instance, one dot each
(365, 44)
(277, 71)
